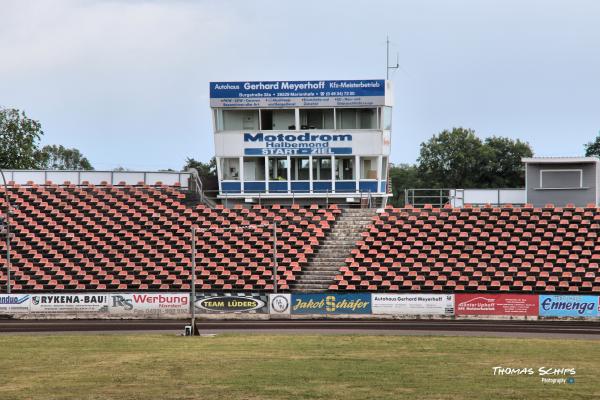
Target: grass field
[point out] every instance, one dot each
(289, 367)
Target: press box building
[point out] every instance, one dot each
(313, 141)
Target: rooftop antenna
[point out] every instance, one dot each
(387, 59)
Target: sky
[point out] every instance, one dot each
(126, 81)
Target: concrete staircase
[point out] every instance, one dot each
(326, 263)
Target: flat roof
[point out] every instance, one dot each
(560, 160)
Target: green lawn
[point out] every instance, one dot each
(289, 367)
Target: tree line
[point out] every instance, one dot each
(20, 147)
(458, 159)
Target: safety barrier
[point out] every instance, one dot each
(447, 305)
(170, 305)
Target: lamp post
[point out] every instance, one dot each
(193, 299)
(7, 219)
(274, 256)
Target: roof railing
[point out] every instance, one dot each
(115, 178)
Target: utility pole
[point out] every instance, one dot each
(387, 59)
(7, 221)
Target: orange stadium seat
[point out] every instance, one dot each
(124, 237)
(491, 249)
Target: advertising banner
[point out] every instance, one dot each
(331, 303)
(298, 93)
(279, 304)
(306, 143)
(148, 303)
(14, 303)
(413, 304)
(568, 306)
(69, 303)
(496, 304)
(231, 303)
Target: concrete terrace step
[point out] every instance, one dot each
(310, 288)
(316, 279)
(331, 255)
(341, 243)
(317, 273)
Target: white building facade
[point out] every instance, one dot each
(302, 139)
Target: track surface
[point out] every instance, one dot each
(566, 329)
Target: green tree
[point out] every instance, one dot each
(19, 141)
(403, 176)
(593, 148)
(459, 159)
(502, 166)
(206, 171)
(19, 136)
(61, 158)
(451, 159)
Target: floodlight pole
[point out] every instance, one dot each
(193, 295)
(274, 257)
(7, 219)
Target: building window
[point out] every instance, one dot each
(386, 124)
(321, 169)
(384, 168)
(300, 171)
(316, 118)
(278, 120)
(344, 170)
(278, 167)
(368, 168)
(561, 178)
(356, 118)
(230, 169)
(254, 169)
(236, 120)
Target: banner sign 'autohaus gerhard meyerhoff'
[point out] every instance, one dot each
(298, 93)
(413, 304)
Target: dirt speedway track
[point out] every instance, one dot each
(566, 329)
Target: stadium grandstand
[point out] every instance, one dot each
(118, 236)
(302, 170)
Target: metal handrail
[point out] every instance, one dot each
(363, 198)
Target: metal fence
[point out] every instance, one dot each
(462, 197)
(41, 177)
